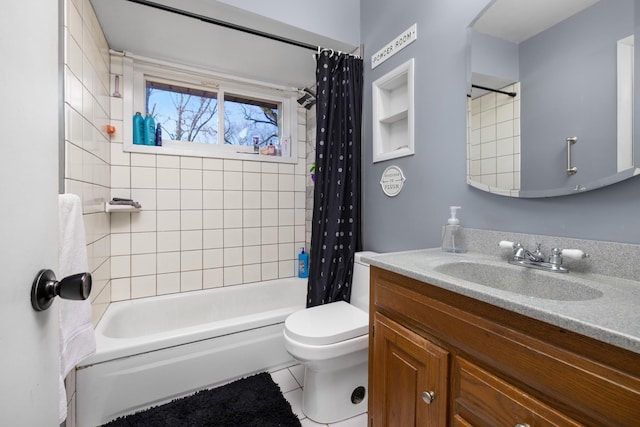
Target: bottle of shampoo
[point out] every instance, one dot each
(159, 135)
(451, 236)
(149, 130)
(138, 129)
(303, 264)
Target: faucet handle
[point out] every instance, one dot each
(519, 252)
(557, 254)
(574, 254)
(505, 244)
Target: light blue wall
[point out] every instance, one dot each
(436, 173)
(580, 80)
(496, 57)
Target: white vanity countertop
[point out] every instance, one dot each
(613, 318)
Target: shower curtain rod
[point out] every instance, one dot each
(229, 25)
(511, 94)
(339, 52)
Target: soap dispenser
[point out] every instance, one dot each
(451, 236)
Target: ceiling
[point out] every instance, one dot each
(518, 20)
(148, 31)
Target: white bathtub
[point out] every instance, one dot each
(152, 350)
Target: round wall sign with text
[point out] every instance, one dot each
(392, 181)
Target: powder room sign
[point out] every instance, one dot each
(392, 181)
(396, 45)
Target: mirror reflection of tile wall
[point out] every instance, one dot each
(493, 140)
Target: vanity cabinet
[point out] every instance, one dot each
(481, 365)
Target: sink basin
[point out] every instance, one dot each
(520, 280)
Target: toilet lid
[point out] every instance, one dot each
(327, 324)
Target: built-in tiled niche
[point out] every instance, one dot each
(393, 127)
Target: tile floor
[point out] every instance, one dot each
(290, 381)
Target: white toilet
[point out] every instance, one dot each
(332, 342)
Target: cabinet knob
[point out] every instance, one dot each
(428, 396)
(522, 425)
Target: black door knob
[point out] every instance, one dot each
(45, 288)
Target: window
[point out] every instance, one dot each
(185, 114)
(250, 122)
(209, 116)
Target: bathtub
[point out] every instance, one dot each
(153, 350)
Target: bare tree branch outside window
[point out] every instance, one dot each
(187, 114)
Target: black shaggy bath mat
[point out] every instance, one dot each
(254, 401)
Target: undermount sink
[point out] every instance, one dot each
(520, 280)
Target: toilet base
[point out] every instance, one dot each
(328, 395)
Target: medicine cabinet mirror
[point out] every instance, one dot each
(562, 121)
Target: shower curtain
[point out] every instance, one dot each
(335, 231)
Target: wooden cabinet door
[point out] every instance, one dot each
(408, 378)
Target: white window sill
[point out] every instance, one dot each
(204, 150)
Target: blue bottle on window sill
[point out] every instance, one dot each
(303, 264)
(138, 129)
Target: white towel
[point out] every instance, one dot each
(77, 338)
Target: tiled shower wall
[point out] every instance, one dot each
(86, 148)
(204, 222)
(494, 140)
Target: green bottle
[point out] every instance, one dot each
(138, 129)
(149, 130)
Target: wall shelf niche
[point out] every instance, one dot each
(393, 126)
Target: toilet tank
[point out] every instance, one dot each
(360, 282)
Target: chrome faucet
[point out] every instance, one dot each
(525, 258)
(521, 254)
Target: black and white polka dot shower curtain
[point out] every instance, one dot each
(335, 232)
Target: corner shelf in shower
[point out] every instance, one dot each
(120, 208)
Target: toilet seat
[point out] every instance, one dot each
(327, 324)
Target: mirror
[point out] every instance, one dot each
(561, 121)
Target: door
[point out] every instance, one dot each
(30, 102)
(409, 385)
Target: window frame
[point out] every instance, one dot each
(136, 70)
